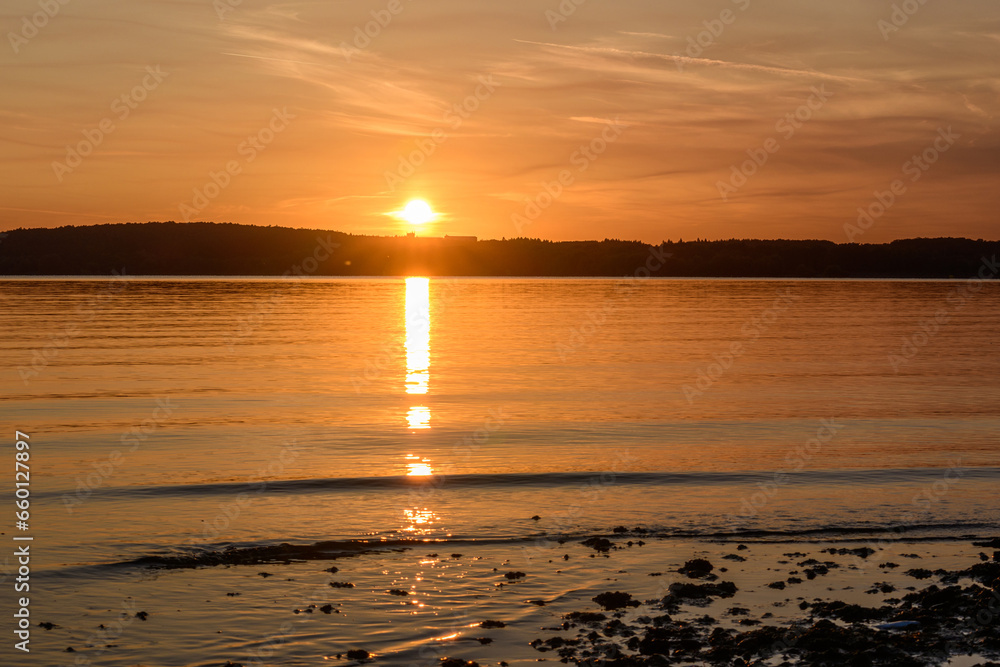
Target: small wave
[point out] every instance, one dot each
(539, 480)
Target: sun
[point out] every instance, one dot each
(417, 212)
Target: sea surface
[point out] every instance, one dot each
(177, 419)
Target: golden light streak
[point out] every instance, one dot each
(418, 335)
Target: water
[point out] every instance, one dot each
(174, 417)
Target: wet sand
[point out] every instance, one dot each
(624, 599)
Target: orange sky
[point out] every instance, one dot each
(506, 100)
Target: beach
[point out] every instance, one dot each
(629, 598)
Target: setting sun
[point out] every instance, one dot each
(418, 212)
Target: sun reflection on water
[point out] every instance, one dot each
(420, 469)
(418, 349)
(419, 417)
(419, 520)
(416, 466)
(418, 335)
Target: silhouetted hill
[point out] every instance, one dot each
(204, 248)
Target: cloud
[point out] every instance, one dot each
(643, 55)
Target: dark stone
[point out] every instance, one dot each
(919, 573)
(849, 613)
(861, 552)
(724, 589)
(993, 543)
(756, 641)
(984, 573)
(660, 640)
(826, 637)
(586, 616)
(617, 600)
(598, 543)
(698, 567)
(882, 587)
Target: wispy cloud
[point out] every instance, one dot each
(277, 60)
(645, 55)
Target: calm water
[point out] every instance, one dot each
(178, 416)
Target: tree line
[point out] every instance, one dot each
(225, 249)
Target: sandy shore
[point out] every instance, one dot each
(624, 599)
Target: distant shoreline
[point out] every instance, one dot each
(321, 279)
(170, 249)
